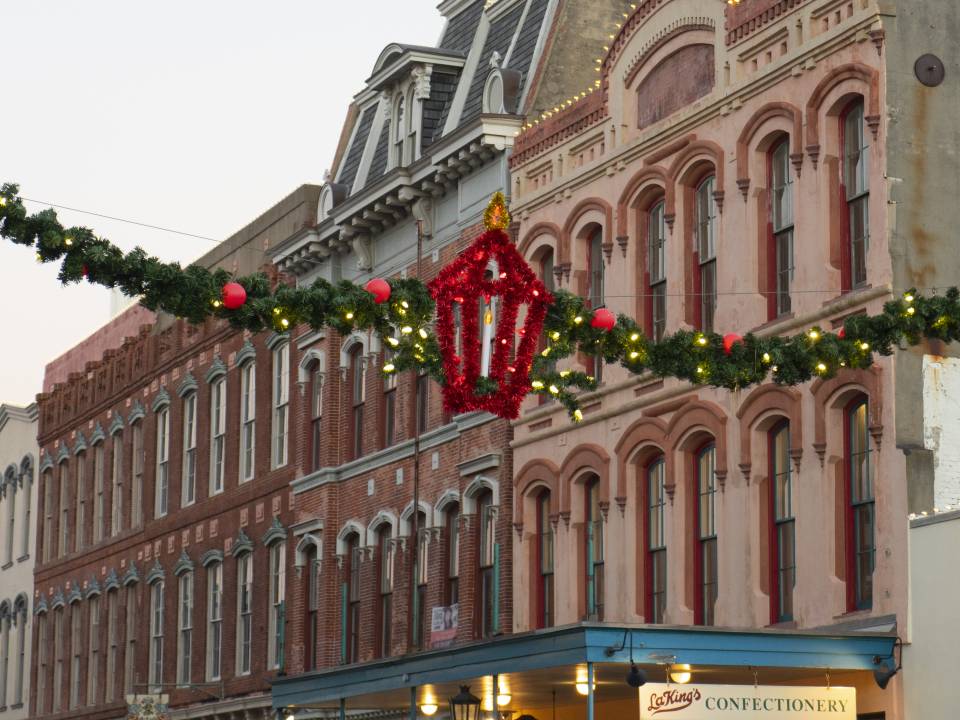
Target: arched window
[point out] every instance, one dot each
(214, 620)
(132, 626)
(93, 651)
(546, 263)
(385, 590)
(783, 561)
(389, 402)
(185, 629)
(418, 608)
(452, 589)
(861, 518)
(59, 658)
(780, 234)
(218, 433)
(138, 462)
(248, 419)
(65, 505)
(655, 540)
(161, 491)
(656, 270)
(156, 637)
(593, 526)
(856, 193)
(351, 614)
(99, 492)
(486, 564)
(116, 482)
(27, 489)
(76, 653)
(544, 559)
(358, 397)
(595, 288)
(113, 646)
(705, 242)
(312, 595)
(11, 492)
(244, 613)
(43, 663)
(399, 130)
(281, 403)
(707, 576)
(20, 616)
(316, 415)
(48, 516)
(277, 604)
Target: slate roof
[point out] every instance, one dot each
(443, 85)
(522, 54)
(379, 162)
(352, 162)
(501, 33)
(459, 32)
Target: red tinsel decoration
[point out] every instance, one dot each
(467, 284)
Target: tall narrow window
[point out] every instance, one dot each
(278, 554)
(244, 612)
(93, 646)
(163, 463)
(281, 400)
(399, 131)
(657, 269)
(861, 516)
(353, 599)
(99, 506)
(214, 620)
(389, 404)
(156, 637)
(705, 238)
(596, 290)
(76, 653)
(185, 628)
(113, 648)
(130, 638)
(218, 433)
(25, 548)
(706, 536)
(65, 505)
(136, 488)
(21, 616)
(423, 395)
(11, 520)
(188, 494)
(487, 558)
(544, 562)
(452, 590)
(59, 653)
(385, 597)
(781, 228)
(594, 551)
(48, 516)
(656, 570)
(43, 663)
(419, 607)
(547, 277)
(783, 547)
(316, 416)
(248, 419)
(856, 190)
(312, 577)
(358, 396)
(4, 652)
(116, 481)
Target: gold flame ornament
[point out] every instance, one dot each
(496, 216)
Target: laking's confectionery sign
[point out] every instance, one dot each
(746, 702)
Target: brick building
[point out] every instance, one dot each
(163, 505)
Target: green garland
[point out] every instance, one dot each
(193, 293)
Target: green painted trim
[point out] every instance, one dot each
(496, 588)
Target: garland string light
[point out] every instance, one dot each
(402, 314)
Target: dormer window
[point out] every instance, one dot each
(501, 91)
(399, 131)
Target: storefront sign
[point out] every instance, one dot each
(443, 626)
(746, 702)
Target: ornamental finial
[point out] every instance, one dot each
(496, 216)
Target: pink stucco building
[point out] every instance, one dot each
(731, 170)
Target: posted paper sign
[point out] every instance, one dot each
(746, 702)
(443, 626)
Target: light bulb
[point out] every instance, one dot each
(285, 322)
(766, 357)
(814, 335)
(422, 333)
(404, 304)
(389, 368)
(911, 310)
(578, 416)
(865, 346)
(428, 709)
(635, 337)
(908, 297)
(681, 674)
(821, 367)
(555, 335)
(634, 355)
(349, 316)
(583, 688)
(503, 699)
(554, 390)
(701, 340)
(406, 329)
(537, 385)
(393, 341)
(68, 241)
(578, 319)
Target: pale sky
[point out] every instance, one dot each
(192, 115)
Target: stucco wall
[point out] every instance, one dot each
(941, 426)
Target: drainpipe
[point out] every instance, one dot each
(590, 682)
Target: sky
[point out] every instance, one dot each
(194, 116)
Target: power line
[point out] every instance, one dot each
(123, 220)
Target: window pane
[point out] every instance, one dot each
(658, 236)
(595, 292)
(708, 295)
(705, 223)
(659, 310)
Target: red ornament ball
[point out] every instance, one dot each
(234, 296)
(604, 320)
(842, 333)
(729, 341)
(380, 289)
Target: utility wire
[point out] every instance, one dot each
(123, 220)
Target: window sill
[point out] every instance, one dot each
(7, 565)
(23, 558)
(854, 614)
(17, 706)
(785, 625)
